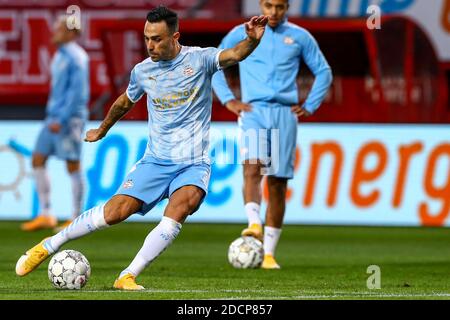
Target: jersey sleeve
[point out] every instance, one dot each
(314, 58)
(219, 81)
(134, 90)
(75, 91)
(210, 59)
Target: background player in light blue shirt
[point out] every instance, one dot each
(177, 81)
(270, 101)
(66, 114)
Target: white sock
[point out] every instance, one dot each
(77, 192)
(271, 237)
(43, 189)
(155, 243)
(252, 211)
(90, 221)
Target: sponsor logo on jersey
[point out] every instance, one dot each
(188, 71)
(288, 40)
(128, 184)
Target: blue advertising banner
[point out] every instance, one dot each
(344, 174)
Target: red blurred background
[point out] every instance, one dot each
(392, 75)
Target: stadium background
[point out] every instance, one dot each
(376, 153)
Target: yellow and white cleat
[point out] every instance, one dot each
(31, 259)
(39, 223)
(127, 282)
(269, 262)
(255, 230)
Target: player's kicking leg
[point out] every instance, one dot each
(274, 220)
(183, 202)
(117, 209)
(252, 199)
(32, 259)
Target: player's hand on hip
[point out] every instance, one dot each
(237, 106)
(94, 135)
(256, 26)
(54, 127)
(300, 111)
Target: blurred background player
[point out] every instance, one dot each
(66, 114)
(177, 81)
(270, 101)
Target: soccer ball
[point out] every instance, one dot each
(69, 269)
(246, 252)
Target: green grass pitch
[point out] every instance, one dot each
(317, 263)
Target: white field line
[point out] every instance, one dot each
(182, 291)
(301, 296)
(337, 296)
(248, 293)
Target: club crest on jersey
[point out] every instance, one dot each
(288, 40)
(128, 184)
(188, 71)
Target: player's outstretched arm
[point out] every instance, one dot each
(119, 108)
(255, 30)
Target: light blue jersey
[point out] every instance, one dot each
(179, 100)
(269, 83)
(67, 104)
(269, 73)
(69, 94)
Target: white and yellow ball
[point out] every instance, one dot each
(245, 253)
(69, 269)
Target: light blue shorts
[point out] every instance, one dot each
(65, 145)
(268, 133)
(152, 181)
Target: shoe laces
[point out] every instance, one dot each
(129, 277)
(34, 258)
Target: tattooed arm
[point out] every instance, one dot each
(119, 108)
(255, 30)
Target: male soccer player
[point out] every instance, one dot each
(270, 101)
(177, 81)
(66, 114)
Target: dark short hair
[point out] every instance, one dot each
(162, 13)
